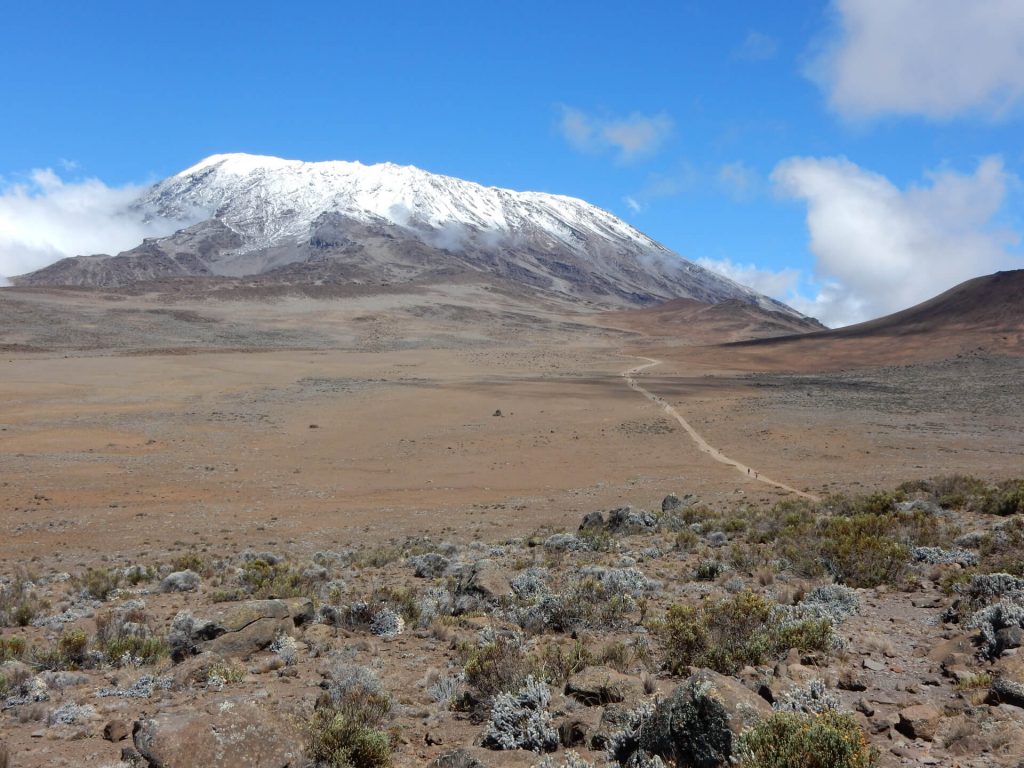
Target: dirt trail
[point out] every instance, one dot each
(698, 439)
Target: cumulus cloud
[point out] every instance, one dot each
(879, 248)
(937, 58)
(44, 218)
(630, 137)
(757, 46)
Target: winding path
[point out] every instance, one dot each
(749, 472)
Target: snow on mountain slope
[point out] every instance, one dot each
(387, 222)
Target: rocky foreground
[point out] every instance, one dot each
(880, 630)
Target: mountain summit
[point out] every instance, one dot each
(289, 220)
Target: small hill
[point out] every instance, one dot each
(982, 315)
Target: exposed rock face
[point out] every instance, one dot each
(485, 579)
(227, 734)
(232, 629)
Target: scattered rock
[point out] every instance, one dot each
(920, 721)
(592, 521)
(229, 733)
(116, 730)
(573, 732)
(626, 520)
(874, 665)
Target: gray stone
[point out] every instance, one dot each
(592, 521)
(180, 581)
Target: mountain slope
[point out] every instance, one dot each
(984, 315)
(291, 220)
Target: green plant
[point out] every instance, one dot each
(119, 635)
(559, 663)
(348, 732)
(795, 740)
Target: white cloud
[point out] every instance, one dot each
(937, 58)
(45, 218)
(631, 137)
(781, 284)
(757, 46)
(632, 204)
(879, 248)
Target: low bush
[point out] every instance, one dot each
(261, 579)
(98, 583)
(19, 604)
(126, 638)
(731, 633)
(500, 666)
(800, 740)
(348, 732)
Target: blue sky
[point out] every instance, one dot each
(850, 156)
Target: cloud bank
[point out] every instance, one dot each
(937, 58)
(630, 137)
(879, 249)
(45, 218)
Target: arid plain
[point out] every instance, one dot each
(136, 427)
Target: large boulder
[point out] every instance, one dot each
(627, 520)
(696, 725)
(597, 686)
(228, 733)
(231, 629)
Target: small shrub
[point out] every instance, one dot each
(98, 583)
(521, 720)
(348, 732)
(794, 740)
(709, 570)
(734, 632)
(12, 648)
(860, 552)
(501, 666)
(189, 561)
(19, 604)
(261, 579)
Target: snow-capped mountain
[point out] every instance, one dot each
(345, 221)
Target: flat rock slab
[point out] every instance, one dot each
(596, 686)
(241, 629)
(227, 734)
